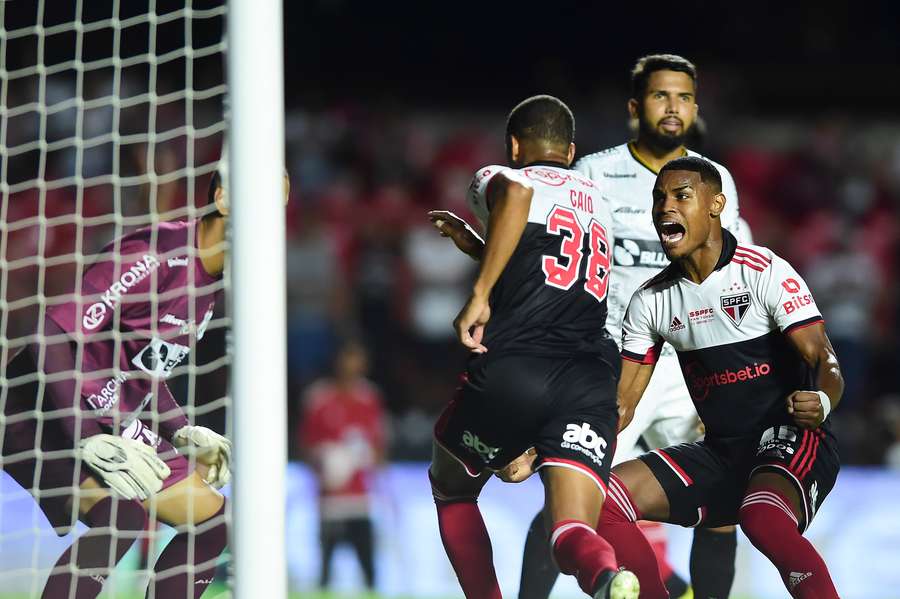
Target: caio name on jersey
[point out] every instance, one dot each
(481, 449)
(583, 439)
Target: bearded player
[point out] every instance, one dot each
(664, 106)
(543, 370)
(103, 441)
(762, 374)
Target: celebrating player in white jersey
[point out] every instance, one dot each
(761, 372)
(663, 103)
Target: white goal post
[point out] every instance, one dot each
(256, 157)
(111, 120)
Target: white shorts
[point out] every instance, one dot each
(665, 415)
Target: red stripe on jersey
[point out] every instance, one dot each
(748, 265)
(687, 480)
(803, 324)
(750, 258)
(650, 357)
(632, 359)
(755, 253)
(653, 352)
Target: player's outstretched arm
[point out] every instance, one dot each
(509, 200)
(459, 231)
(811, 408)
(632, 383)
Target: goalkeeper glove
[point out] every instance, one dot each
(210, 448)
(128, 467)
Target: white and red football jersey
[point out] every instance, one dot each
(730, 335)
(550, 299)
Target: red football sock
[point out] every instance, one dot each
(768, 521)
(618, 525)
(579, 550)
(467, 545)
(656, 536)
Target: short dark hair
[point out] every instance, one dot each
(647, 65)
(709, 174)
(215, 183)
(542, 118)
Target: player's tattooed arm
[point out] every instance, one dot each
(632, 383)
(459, 231)
(509, 199)
(808, 407)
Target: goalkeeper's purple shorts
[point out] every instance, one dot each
(38, 451)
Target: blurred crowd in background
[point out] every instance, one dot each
(365, 263)
(365, 266)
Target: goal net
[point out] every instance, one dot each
(112, 121)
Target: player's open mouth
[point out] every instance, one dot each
(670, 233)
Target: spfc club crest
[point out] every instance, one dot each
(736, 306)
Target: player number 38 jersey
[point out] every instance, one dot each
(730, 334)
(551, 298)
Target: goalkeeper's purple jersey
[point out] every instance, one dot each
(147, 292)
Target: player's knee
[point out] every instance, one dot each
(645, 493)
(187, 502)
(88, 495)
(619, 507)
(761, 513)
(452, 489)
(214, 530)
(208, 507)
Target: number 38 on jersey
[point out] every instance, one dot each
(565, 271)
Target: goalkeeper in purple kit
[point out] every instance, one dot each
(91, 429)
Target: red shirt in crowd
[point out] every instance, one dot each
(343, 434)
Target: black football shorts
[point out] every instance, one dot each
(706, 481)
(564, 408)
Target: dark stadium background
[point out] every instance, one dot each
(392, 106)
